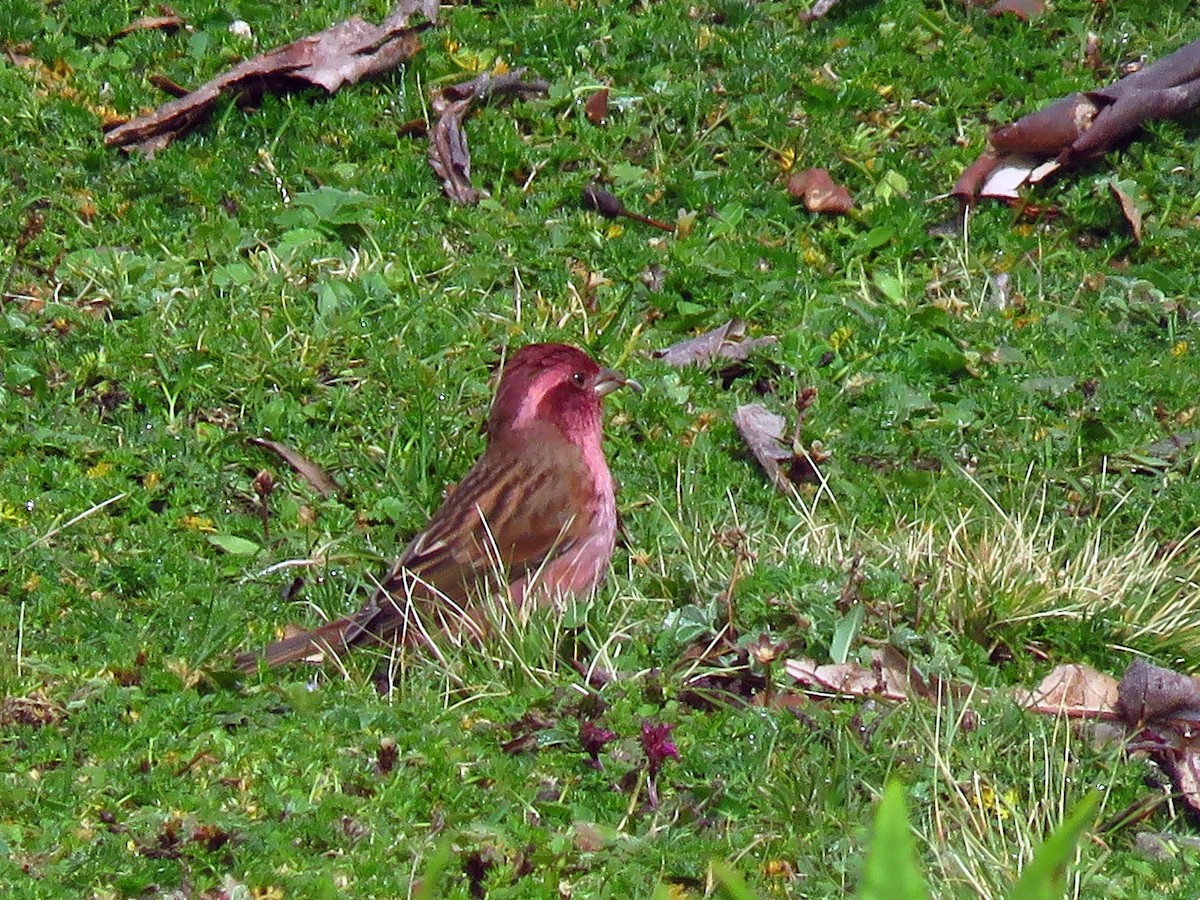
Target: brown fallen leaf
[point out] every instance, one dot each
(1083, 125)
(31, 229)
(727, 342)
(527, 731)
(891, 676)
(318, 478)
(1161, 708)
(1072, 690)
(716, 671)
(1171, 448)
(1022, 9)
(1129, 207)
(343, 54)
(1165, 846)
(850, 679)
(1091, 53)
(1151, 694)
(819, 192)
(152, 23)
(762, 431)
(167, 86)
(449, 156)
(596, 108)
(35, 710)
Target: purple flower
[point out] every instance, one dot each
(658, 746)
(593, 738)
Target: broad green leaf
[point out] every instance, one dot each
(844, 634)
(732, 883)
(1044, 878)
(891, 871)
(231, 543)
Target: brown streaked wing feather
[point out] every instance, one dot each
(527, 490)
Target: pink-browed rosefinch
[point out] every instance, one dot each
(536, 513)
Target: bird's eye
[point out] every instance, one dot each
(579, 379)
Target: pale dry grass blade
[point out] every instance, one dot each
(988, 811)
(988, 570)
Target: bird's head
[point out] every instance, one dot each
(555, 384)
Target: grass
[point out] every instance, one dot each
(294, 272)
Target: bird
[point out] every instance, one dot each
(535, 518)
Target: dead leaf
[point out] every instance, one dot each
(386, 755)
(1072, 690)
(1161, 708)
(413, 128)
(1085, 124)
(1124, 192)
(726, 342)
(654, 276)
(850, 679)
(167, 86)
(1022, 9)
(1166, 847)
(973, 177)
(152, 23)
(318, 478)
(527, 731)
(1171, 448)
(596, 108)
(717, 673)
(1151, 694)
(1091, 53)
(35, 710)
(819, 192)
(343, 54)
(449, 156)
(818, 10)
(762, 431)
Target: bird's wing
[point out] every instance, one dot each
(523, 503)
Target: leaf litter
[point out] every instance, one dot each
(819, 192)
(320, 480)
(1081, 126)
(343, 54)
(728, 342)
(449, 155)
(762, 431)
(1158, 708)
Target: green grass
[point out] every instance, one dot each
(987, 466)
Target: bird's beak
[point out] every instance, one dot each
(610, 380)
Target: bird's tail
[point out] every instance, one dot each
(386, 620)
(330, 638)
